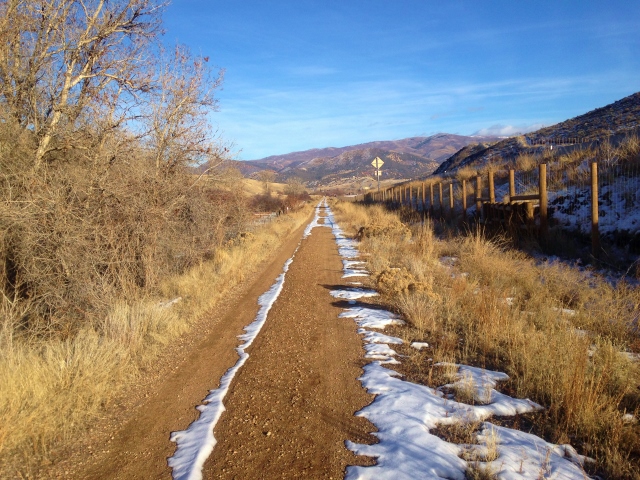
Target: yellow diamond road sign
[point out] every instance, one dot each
(377, 162)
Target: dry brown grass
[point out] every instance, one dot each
(477, 471)
(629, 151)
(255, 187)
(560, 334)
(526, 162)
(466, 173)
(52, 388)
(460, 432)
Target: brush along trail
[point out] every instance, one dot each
(289, 409)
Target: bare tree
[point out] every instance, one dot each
(295, 186)
(267, 177)
(98, 125)
(177, 114)
(57, 57)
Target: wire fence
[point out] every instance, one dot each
(562, 199)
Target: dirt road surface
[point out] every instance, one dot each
(289, 409)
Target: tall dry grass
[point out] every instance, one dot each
(566, 338)
(54, 387)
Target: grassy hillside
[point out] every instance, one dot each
(613, 122)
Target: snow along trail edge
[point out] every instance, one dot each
(195, 444)
(404, 412)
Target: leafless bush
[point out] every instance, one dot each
(266, 203)
(79, 234)
(96, 197)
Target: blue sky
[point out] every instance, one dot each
(310, 74)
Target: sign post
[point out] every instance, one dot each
(377, 164)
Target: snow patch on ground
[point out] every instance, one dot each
(523, 455)
(316, 220)
(617, 206)
(482, 383)
(379, 351)
(353, 293)
(367, 317)
(377, 337)
(354, 268)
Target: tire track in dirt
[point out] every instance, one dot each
(291, 407)
(133, 441)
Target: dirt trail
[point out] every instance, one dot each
(289, 409)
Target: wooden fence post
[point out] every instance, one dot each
(544, 221)
(410, 197)
(451, 199)
(464, 200)
(441, 200)
(595, 231)
(512, 185)
(431, 199)
(492, 188)
(479, 195)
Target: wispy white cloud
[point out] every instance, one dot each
(509, 130)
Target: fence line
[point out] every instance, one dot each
(576, 197)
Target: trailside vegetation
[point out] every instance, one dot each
(102, 219)
(567, 338)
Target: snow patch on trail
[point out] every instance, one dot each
(353, 293)
(316, 219)
(405, 412)
(367, 317)
(354, 268)
(379, 351)
(377, 337)
(195, 444)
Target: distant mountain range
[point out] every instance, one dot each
(615, 120)
(417, 157)
(406, 158)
